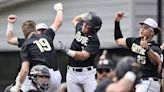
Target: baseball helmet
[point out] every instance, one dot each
(126, 64)
(39, 70)
(94, 21)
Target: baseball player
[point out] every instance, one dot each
(80, 72)
(105, 68)
(145, 50)
(11, 39)
(38, 49)
(126, 70)
(40, 77)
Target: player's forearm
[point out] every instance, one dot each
(24, 71)
(78, 55)
(9, 32)
(153, 56)
(58, 20)
(120, 41)
(59, 17)
(81, 55)
(10, 35)
(117, 31)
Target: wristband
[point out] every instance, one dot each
(71, 53)
(10, 26)
(130, 75)
(117, 31)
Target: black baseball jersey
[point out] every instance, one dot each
(39, 49)
(148, 68)
(81, 42)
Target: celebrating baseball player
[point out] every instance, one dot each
(145, 50)
(38, 49)
(80, 72)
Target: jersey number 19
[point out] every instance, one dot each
(43, 44)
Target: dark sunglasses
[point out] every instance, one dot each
(103, 70)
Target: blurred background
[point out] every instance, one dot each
(42, 11)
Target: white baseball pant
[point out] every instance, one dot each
(148, 86)
(83, 81)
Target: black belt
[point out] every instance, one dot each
(80, 69)
(154, 78)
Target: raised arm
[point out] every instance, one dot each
(153, 56)
(59, 17)
(120, 41)
(21, 77)
(11, 39)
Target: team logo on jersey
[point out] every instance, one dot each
(138, 49)
(82, 39)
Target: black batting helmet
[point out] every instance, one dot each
(40, 70)
(94, 21)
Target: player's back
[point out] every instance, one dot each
(40, 49)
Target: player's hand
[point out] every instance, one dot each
(63, 47)
(83, 16)
(11, 18)
(15, 89)
(119, 16)
(58, 6)
(144, 43)
(88, 14)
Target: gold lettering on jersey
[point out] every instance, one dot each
(82, 39)
(138, 49)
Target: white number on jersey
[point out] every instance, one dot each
(43, 44)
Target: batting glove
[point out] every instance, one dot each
(63, 47)
(16, 87)
(58, 6)
(83, 16)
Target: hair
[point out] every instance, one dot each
(28, 27)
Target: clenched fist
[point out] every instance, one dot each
(12, 18)
(58, 6)
(119, 16)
